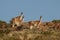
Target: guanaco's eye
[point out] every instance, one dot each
(15, 25)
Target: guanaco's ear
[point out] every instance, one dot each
(21, 13)
(40, 16)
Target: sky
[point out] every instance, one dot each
(32, 9)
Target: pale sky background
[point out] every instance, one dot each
(32, 9)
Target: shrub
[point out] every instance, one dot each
(56, 21)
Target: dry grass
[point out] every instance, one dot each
(27, 34)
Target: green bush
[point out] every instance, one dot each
(56, 21)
